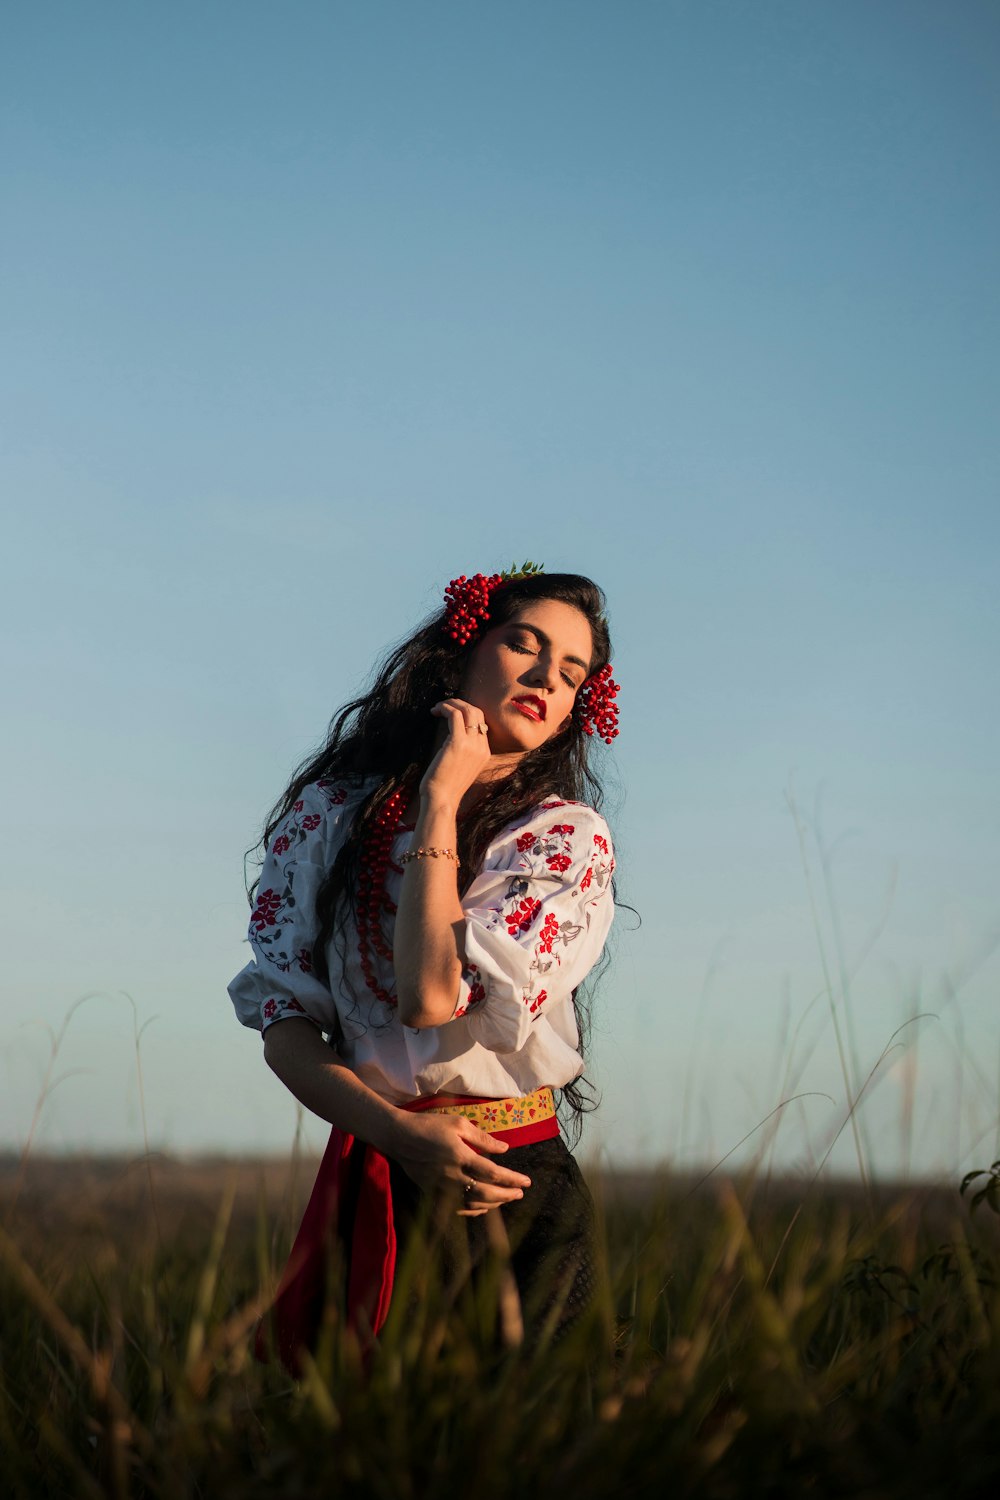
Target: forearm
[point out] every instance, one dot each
(429, 935)
(319, 1079)
(440, 1154)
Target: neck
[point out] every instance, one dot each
(498, 768)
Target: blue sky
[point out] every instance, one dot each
(309, 308)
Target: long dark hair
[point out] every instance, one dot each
(387, 737)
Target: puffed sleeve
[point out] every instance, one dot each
(537, 918)
(281, 981)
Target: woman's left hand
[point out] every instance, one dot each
(462, 757)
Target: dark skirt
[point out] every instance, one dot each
(545, 1241)
(372, 1243)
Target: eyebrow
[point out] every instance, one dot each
(521, 625)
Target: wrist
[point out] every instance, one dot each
(438, 812)
(393, 1133)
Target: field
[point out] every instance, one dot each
(754, 1338)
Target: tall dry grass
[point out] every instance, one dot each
(753, 1335)
(748, 1340)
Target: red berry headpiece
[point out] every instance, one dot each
(596, 706)
(467, 605)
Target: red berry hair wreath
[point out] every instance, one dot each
(467, 607)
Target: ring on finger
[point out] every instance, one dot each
(469, 1186)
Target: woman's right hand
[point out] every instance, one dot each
(441, 1153)
(462, 755)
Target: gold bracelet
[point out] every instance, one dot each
(429, 854)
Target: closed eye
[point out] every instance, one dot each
(530, 651)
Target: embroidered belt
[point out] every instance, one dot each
(523, 1120)
(368, 1235)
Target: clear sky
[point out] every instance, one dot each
(309, 307)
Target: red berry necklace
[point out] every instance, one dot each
(375, 859)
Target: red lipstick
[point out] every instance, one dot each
(531, 707)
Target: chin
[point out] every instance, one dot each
(514, 739)
(508, 745)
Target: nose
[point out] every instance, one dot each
(544, 673)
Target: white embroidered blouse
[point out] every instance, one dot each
(536, 919)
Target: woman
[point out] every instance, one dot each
(434, 890)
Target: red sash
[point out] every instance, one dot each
(292, 1323)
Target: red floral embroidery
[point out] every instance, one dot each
(525, 841)
(546, 937)
(312, 820)
(477, 994)
(272, 1006)
(539, 1000)
(281, 844)
(585, 882)
(521, 919)
(339, 796)
(268, 906)
(305, 959)
(558, 862)
(298, 806)
(601, 843)
(563, 828)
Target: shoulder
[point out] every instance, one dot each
(553, 836)
(556, 816)
(320, 813)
